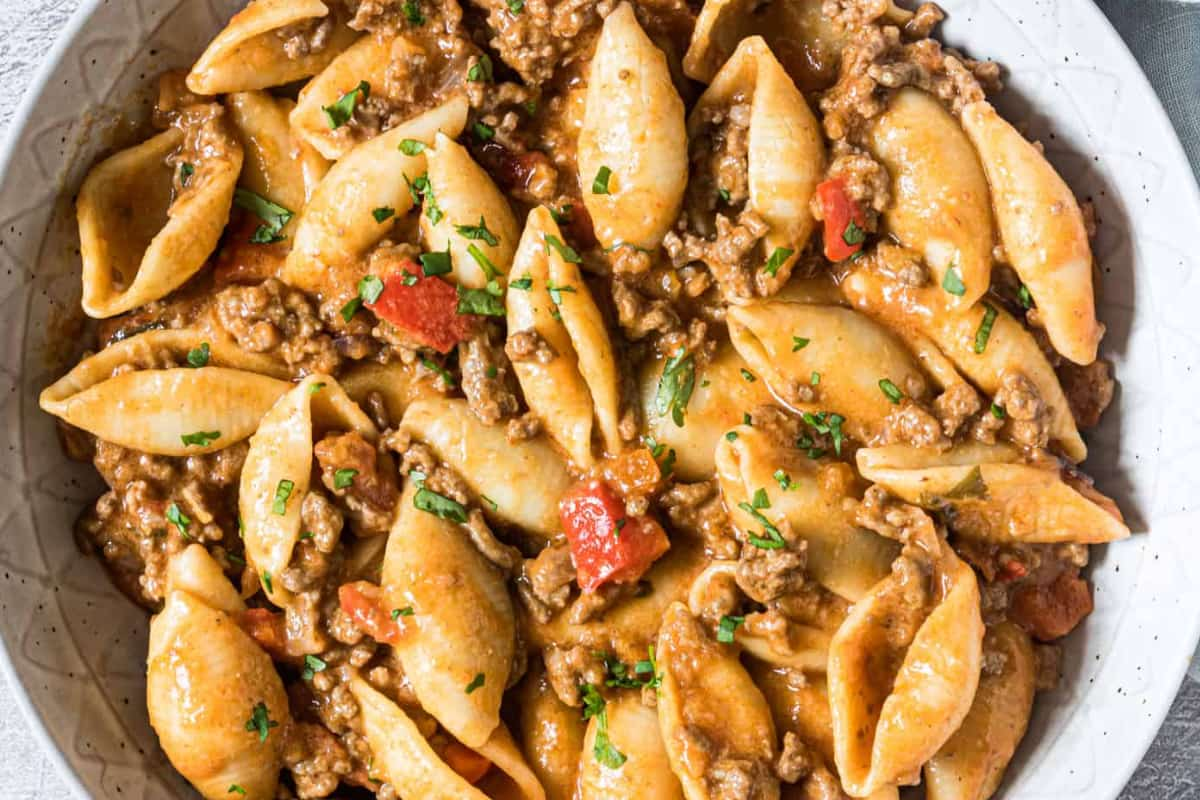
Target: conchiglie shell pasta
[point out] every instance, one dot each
(512, 777)
(204, 677)
(578, 387)
(153, 409)
(507, 473)
(337, 228)
(1003, 502)
(195, 572)
(249, 53)
(940, 204)
(885, 729)
(281, 452)
(396, 384)
(1010, 348)
(1042, 230)
(277, 165)
(462, 624)
(633, 126)
(842, 557)
(551, 734)
(138, 242)
(785, 152)
(708, 700)
(403, 758)
(720, 398)
(804, 39)
(633, 729)
(467, 196)
(971, 764)
(849, 351)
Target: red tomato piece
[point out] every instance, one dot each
(839, 211)
(427, 310)
(607, 545)
(268, 629)
(362, 601)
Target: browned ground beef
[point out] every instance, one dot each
(370, 491)
(487, 378)
(275, 319)
(307, 37)
(1089, 390)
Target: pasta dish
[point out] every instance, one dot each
(589, 399)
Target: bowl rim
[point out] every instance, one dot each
(78, 20)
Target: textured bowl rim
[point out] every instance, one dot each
(65, 39)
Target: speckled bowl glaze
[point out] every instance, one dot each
(75, 647)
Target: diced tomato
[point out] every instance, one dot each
(839, 211)
(426, 310)
(1051, 611)
(607, 545)
(267, 628)
(466, 762)
(362, 601)
(1011, 571)
(633, 472)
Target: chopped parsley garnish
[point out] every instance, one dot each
(316, 387)
(235, 789)
(603, 749)
(435, 263)
(731, 436)
(273, 215)
(483, 131)
(479, 301)
(412, 12)
(481, 70)
(186, 171)
(200, 438)
(1024, 297)
(676, 385)
(523, 283)
(561, 215)
(492, 371)
(772, 538)
(806, 443)
(997, 411)
(600, 182)
(439, 505)
(282, 492)
(891, 390)
(266, 581)
(799, 343)
(828, 423)
(476, 682)
(479, 231)
(397, 613)
(260, 722)
(556, 291)
(852, 234)
(412, 147)
(422, 190)
(198, 356)
(656, 449)
(312, 665)
(567, 253)
(746, 420)
(724, 195)
(649, 666)
(784, 480)
(408, 279)
(180, 520)
(306, 535)
(952, 282)
(234, 558)
(985, 328)
(489, 502)
(369, 288)
(344, 478)
(778, 257)
(383, 213)
(342, 111)
(727, 626)
(748, 376)
(442, 372)
(621, 677)
(485, 264)
(815, 378)
(515, 6)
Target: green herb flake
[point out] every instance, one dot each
(727, 626)
(567, 253)
(523, 283)
(489, 502)
(760, 499)
(779, 257)
(180, 520)
(891, 390)
(198, 356)
(412, 147)
(483, 132)
(784, 480)
(998, 411)
(274, 216)
(853, 235)
(1024, 297)
(746, 419)
(476, 682)
(799, 343)
(397, 613)
(412, 12)
(186, 171)
(369, 288)
(561, 216)
(952, 282)
(675, 386)
(383, 214)
(556, 292)
(985, 328)
(748, 376)
(478, 232)
(731, 436)
(266, 581)
(603, 749)
(351, 308)
(306, 535)
(815, 379)
(649, 666)
(312, 665)
(435, 263)
(479, 257)
(344, 478)
(772, 538)
(342, 111)
(440, 506)
(315, 387)
(441, 371)
(282, 492)
(260, 722)
(482, 71)
(724, 195)
(479, 301)
(235, 789)
(200, 438)
(515, 7)
(600, 182)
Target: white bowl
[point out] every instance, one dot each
(76, 648)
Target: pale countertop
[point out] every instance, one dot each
(1171, 768)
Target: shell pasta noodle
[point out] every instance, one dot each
(693, 406)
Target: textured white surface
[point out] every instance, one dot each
(1120, 683)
